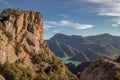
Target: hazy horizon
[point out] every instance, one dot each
(83, 35)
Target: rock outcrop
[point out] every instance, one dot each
(21, 42)
(102, 70)
(1, 77)
(25, 28)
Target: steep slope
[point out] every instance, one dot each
(101, 70)
(104, 39)
(88, 54)
(85, 48)
(22, 46)
(65, 44)
(107, 40)
(61, 49)
(77, 68)
(80, 57)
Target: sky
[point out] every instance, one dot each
(73, 17)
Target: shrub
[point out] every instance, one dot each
(53, 76)
(17, 48)
(117, 76)
(14, 72)
(36, 59)
(8, 34)
(56, 60)
(42, 76)
(36, 15)
(1, 26)
(5, 13)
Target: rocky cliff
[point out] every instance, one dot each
(23, 29)
(21, 43)
(101, 70)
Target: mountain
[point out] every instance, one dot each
(85, 48)
(62, 44)
(102, 69)
(24, 55)
(88, 55)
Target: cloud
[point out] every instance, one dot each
(66, 23)
(48, 25)
(63, 15)
(83, 26)
(109, 8)
(116, 22)
(57, 30)
(106, 7)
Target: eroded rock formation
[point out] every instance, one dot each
(21, 40)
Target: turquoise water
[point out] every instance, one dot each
(66, 60)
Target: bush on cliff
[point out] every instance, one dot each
(14, 72)
(5, 13)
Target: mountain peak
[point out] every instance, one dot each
(60, 34)
(105, 34)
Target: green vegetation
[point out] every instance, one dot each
(117, 76)
(1, 24)
(17, 48)
(36, 59)
(36, 15)
(5, 13)
(14, 72)
(8, 34)
(53, 72)
(42, 76)
(51, 76)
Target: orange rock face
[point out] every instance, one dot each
(26, 28)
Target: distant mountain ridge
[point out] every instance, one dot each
(85, 48)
